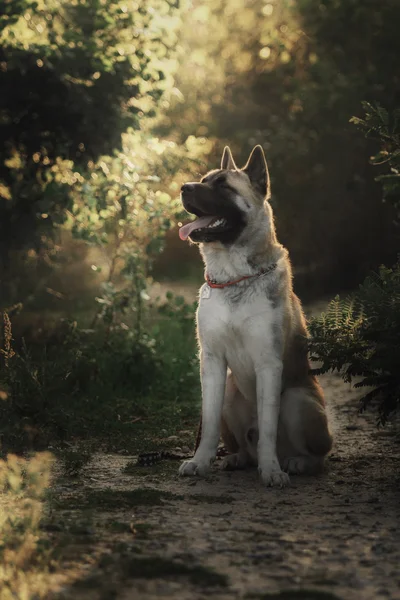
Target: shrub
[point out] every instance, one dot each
(23, 555)
(98, 382)
(359, 336)
(74, 77)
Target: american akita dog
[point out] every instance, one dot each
(257, 389)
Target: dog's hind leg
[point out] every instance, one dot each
(236, 419)
(304, 438)
(236, 461)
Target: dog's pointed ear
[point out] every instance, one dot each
(257, 171)
(227, 161)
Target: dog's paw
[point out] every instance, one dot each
(272, 476)
(190, 468)
(232, 462)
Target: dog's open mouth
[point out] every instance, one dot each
(209, 223)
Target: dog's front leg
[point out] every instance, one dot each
(269, 382)
(213, 377)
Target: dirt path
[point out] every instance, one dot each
(149, 534)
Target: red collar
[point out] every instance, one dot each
(214, 284)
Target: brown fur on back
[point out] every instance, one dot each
(296, 364)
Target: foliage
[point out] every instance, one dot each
(83, 158)
(23, 483)
(288, 75)
(74, 76)
(359, 336)
(107, 382)
(107, 108)
(379, 124)
(74, 461)
(125, 207)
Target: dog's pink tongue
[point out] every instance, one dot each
(186, 230)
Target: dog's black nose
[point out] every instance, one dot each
(187, 187)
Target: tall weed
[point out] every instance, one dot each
(23, 555)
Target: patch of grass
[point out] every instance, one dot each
(63, 390)
(73, 461)
(117, 499)
(152, 567)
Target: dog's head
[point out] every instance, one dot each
(226, 200)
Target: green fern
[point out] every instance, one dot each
(359, 337)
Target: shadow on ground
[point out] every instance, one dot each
(144, 532)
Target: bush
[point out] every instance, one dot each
(74, 77)
(84, 161)
(113, 382)
(359, 336)
(24, 552)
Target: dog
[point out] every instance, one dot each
(257, 389)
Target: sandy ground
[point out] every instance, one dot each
(335, 536)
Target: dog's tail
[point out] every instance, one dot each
(304, 417)
(318, 438)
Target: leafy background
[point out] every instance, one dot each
(107, 107)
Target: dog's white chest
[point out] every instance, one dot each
(241, 332)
